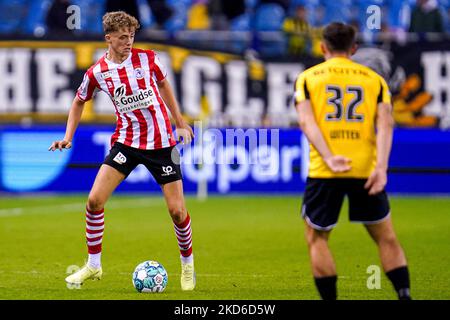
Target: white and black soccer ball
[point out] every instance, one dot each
(150, 276)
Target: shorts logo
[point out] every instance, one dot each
(167, 171)
(120, 158)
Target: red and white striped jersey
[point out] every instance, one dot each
(142, 117)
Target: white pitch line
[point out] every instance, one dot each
(80, 206)
(217, 275)
(231, 275)
(213, 275)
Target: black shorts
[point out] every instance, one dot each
(163, 164)
(323, 200)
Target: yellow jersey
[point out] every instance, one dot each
(344, 96)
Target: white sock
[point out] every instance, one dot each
(189, 259)
(94, 260)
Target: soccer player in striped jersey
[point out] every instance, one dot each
(344, 110)
(135, 80)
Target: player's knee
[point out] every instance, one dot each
(388, 241)
(316, 238)
(95, 203)
(178, 213)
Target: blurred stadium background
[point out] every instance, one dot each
(233, 64)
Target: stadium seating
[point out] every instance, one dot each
(27, 17)
(178, 19)
(178, 3)
(92, 11)
(11, 15)
(175, 23)
(312, 7)
(147, 19)
(34, 23)
(269, 17)
(241, 23)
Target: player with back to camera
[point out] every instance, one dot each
(344, 110)
(135, 80)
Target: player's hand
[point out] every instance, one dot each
(184, 133)
(62, 144)
(338, 163)
(376, 181)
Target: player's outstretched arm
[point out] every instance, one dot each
(385, 126)
(183, 131)
(72, 123)
(308, 124)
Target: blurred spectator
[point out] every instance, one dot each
(129, 6)
(161, 11)
(399, 14)
(222, 12)
(426, 17)
(233, 8)
(218, 18)
(56, 19)
(298, 30)
(198, 18)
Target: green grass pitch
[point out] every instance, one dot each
(245, 248)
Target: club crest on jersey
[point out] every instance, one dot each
(139, 73)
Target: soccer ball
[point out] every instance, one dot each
(150, 276)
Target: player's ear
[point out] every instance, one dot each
(353, 49)
(323, 48)
(107, 38)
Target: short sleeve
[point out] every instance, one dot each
(301, 89)
(87, 88)
(160, 71)
(384, 95)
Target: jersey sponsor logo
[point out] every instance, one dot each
(120, 158)
(168, 170)
(106, 74)
(127, 103)
(119, 91)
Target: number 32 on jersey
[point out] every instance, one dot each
(348, 112)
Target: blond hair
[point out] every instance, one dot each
(114, 21)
